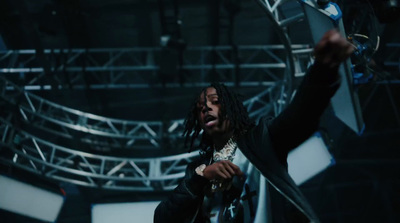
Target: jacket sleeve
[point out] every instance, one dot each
(183, 203)
(301, 118)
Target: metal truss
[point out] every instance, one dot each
(70, 165)
(277, 15)
(94, 129)
(134, 68)
(99, 131)
(142, 67)
(42, 157)
(280, 22)
(131, 68)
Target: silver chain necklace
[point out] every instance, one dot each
(227, 152)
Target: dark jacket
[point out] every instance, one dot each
(266, 146)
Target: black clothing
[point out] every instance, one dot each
(266, 146)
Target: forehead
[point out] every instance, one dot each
(210, 92)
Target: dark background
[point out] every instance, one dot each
(363, 186)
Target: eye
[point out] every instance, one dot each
(215, 102)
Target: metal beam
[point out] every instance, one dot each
(136, 67)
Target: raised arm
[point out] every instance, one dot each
(301, 118)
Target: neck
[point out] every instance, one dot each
(220, 140)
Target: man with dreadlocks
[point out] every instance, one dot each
(241, 175)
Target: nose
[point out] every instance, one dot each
(205, 108)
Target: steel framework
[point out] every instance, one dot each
(139, 67)
(131, 68)
(102, 131)
(56, 162)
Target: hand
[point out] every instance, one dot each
(332, 49)
(222, 170)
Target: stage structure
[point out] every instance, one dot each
(128, 68)
(138, 67)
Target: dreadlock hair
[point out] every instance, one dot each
(232, 109)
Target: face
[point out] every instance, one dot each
(209, 113)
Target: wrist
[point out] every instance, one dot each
(323, 74)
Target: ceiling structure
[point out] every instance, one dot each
(120, 60)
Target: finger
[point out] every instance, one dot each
(344, 54)
(336, 51)
(341, 50)
(226, 173)
(235, 168)
(320, 44)
(325, 38)
(229, 168)
(221, 168)
(335, 37)
(331, 32)
(332, 41)
(330, 36)
(350, 50)
(221, 174)
(322, 50)
(327, 35)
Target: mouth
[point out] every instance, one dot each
(209, 120)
